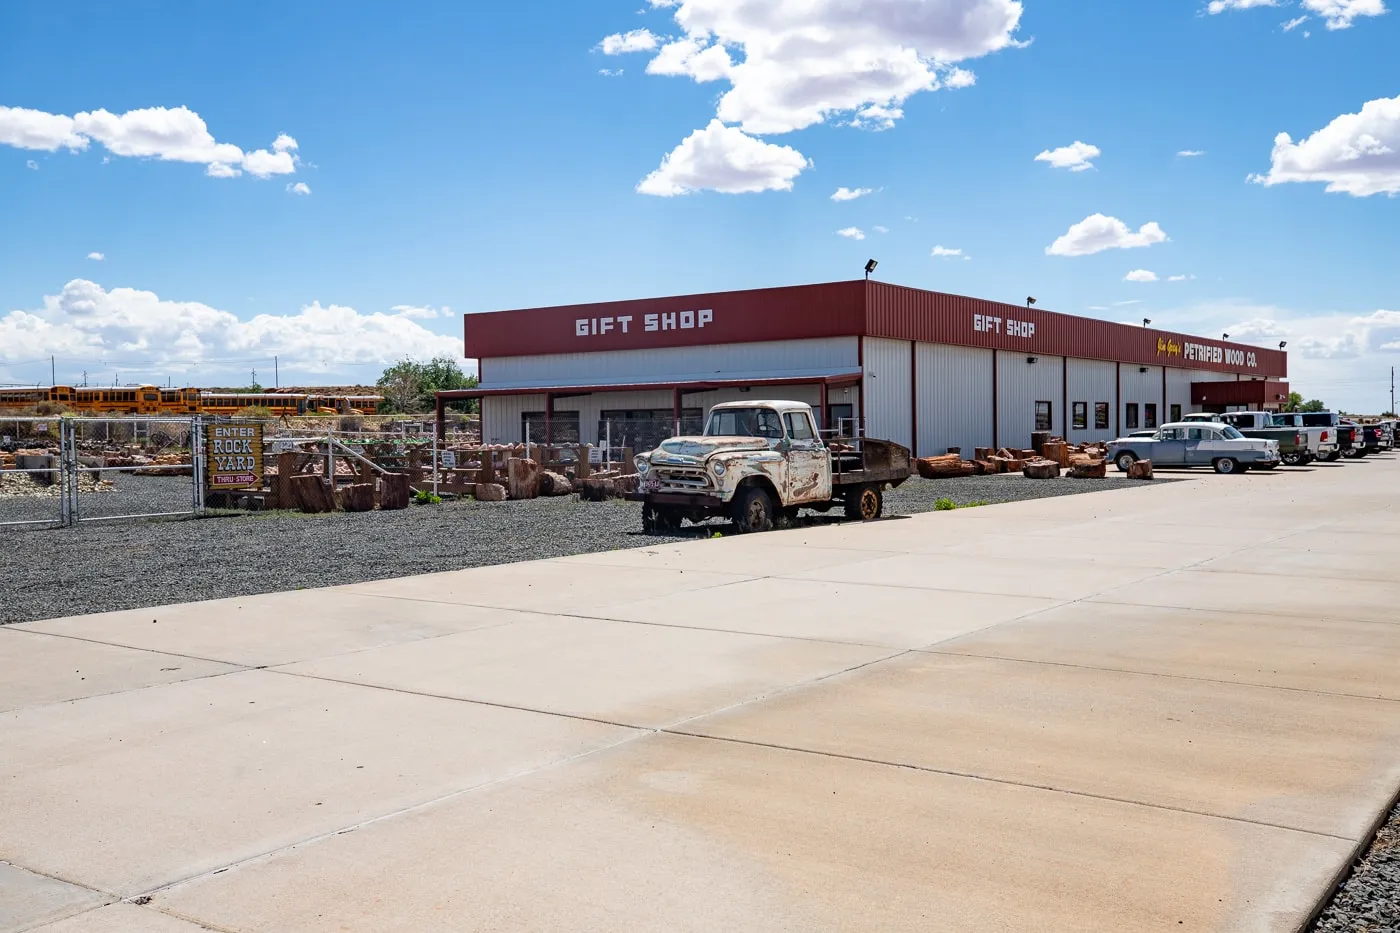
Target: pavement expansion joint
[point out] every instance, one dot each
(971, 776)
(1163, 674)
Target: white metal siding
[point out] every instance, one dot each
(1091, 382)
(888, 398)
(955, 398)
(591, 407)
(1019, 386)
(818, 356)
(1141, 388)
(500, 416)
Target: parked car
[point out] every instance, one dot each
(1322, 440)
(1187, 444)
(1353, 439)
(1292, 442)
(1330, 419)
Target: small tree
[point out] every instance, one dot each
(1294, 403)
(1314, 405)
(410, 386)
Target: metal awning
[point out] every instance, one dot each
(832, 379)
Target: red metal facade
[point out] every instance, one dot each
(1253, 392)
(864, 309)
(914, 314)
(833, 310)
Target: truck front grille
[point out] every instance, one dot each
(682, 478)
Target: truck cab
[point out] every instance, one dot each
(760, 462)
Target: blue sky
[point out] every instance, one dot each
(470, 157)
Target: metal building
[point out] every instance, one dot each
(926, 369)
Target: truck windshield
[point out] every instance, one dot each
(745, 422)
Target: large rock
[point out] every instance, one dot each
(628, 482)
(522, 478)
(554, 484)
(357, 497)
(394, 491)
(596, 490)
(1041, 469)
(1142, 469)
(1096, 469)
(310, 494)
(490, 492)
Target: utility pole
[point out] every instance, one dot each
(85, 379)
(53, 370)
(1392, 390)
(276, 375)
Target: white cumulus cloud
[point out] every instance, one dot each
(169, 134)
(96, 257)
(1338, 14)
(620, 43)
(87, 321)
(724, 158)
(851, 233)
(31, 165)
(1180, 278)
(1140, 275)
(1098, 232)
(1191, 153)
(1357, 153)
(790, 65)
(1077, 156)
(300, 187)
(880, 229)
(943, 252)
(850, 194)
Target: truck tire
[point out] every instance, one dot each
(1331, 457)
(660, 520)
(1227, 465)
(1293, 459)
(866, 503)
(1124, 461)
(753, 510)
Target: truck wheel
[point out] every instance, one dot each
(753, 510)
(1227, 465)
(1125, 462)
(1293, 459)
(659, 520)
(865, 504)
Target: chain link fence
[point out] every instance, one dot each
(64, 471)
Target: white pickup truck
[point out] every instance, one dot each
(1324, 443)
(759, 462)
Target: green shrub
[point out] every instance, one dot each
(424, 497)
(944, 505)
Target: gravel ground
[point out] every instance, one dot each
(1369, 901)
(131, 564)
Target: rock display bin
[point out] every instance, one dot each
(522, 478)
(490, 492)
(1041, 469)
(554, 484)
(1142, 469)
(393, 491)
(43, 468)
(1097, 469)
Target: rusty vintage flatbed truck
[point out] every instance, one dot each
(761, 462)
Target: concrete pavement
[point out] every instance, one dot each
(1171, 707)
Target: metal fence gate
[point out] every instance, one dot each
(100, 469)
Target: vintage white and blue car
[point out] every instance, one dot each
(1189, 444)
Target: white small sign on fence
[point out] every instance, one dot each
(449, 459)
(595, 455)
(41, 428)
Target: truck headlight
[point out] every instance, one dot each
(643, 466)
(718, 468)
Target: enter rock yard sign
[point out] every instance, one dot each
(235, 455)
